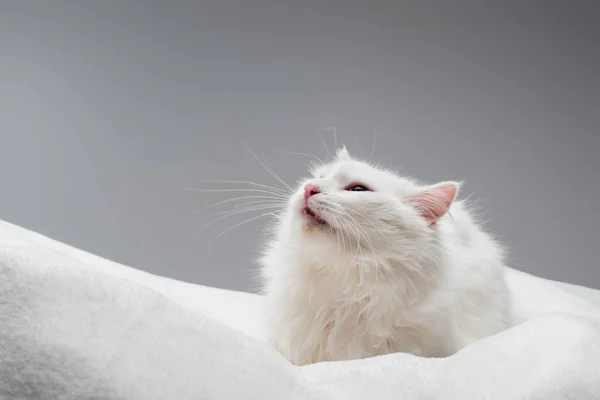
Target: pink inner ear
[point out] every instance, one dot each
(435, 201)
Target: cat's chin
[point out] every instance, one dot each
(311, 217)
(312, 228)
(310, 222)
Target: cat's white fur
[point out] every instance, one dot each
(379, 277)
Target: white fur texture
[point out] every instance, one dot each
(378, 278)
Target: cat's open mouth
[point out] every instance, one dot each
(310, 213)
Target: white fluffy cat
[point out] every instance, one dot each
(364, 262)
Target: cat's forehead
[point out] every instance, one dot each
(353, 170)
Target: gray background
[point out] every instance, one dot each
(109, 109)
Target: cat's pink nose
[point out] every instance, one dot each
(310, 190)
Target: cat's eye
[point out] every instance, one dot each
(358, 188)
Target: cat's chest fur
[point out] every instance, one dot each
(340, 309)
(326, 314)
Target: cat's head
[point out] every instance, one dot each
(350, 206)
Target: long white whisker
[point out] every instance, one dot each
(324, 144)
(371, 247)
(269, 169)
(257, 202)
(374, 142)
(235, 190)
(342, 231)
(333, 213)
(222, 217)
(261, 185)
(336, 228)
(358, 245)
(249, 208)
(345, 270)
(357, 143)
(356, 233)
(235, 199)
(244, 222)
(366, 236)
(372, 224)
(295, 153)
(335, 141)
(365, 233)
(263, 230)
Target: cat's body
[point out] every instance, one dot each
(364, 263)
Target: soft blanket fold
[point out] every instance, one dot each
(76, 326)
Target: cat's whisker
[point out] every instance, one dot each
(359, 236)
(337, 235)
(323, 141)
(249, 209)
(334, 226)
(372, 248)
(234, 199)
(225, 216)
(355, 232)
(267, 225)
(249, 203)
(358, 246)
(265, 166)
(357, 143)
(366, 236)
(235, 190)
(374, 142)
(372, 224)
(295, 153)
(245, 222)
(344, 233)
(260, 185)
(335, 137)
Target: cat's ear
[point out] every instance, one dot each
(343, 154)
(433, 202)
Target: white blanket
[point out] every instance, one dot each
(76, 326)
